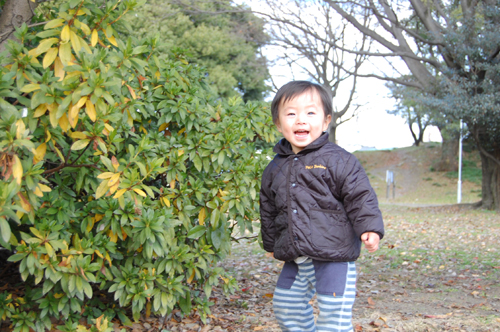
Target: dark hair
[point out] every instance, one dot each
(293, 89)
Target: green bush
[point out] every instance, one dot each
(122, 176)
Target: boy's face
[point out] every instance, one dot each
(302, 119)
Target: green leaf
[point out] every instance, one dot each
(196, 232)
(197, 163)
(185, 303)
(214, 218)
(5, 229)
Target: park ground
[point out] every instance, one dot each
(437, 268)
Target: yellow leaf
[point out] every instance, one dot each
(180, 152)
(58, 152)
(108, 259)
(132, 92)
(65, 53)
(44, 188)
(73, 116)
(112, 40)
(17, 169)
(33, 59)
(119, 193)
(75, 43)
(81, 102)
(191, 277)
(113, 188)
(21, 128)
(78, 135)
(65, 34)
(49, 57)
(50, 250)
(166, 201)
(30, 88)
(172, 184)
(85, 28)
(25, 204)
(130, 120)
(84, 44)
(181, 131)
(45, 45)
(105, 175)
(115, 163)
(49, 136)
(81, 144)
(64, 122)
(114, 179)
(54, 23)
(108, 127)
(40, 110)
(113, 238)
(94, 38)
(102, 189)
(40, 153)
(59, 69)
(98, 253)
(59, 295)
(163, 127)
(38, 192)
(140, 192)
(90, 110)
(201, 216)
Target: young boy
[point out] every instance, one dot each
(316, 207)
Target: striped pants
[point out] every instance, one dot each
(335, 285)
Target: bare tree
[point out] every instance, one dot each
(451, 57)
(14, 14)
(305, 35)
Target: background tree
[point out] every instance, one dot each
(227, 45)
(13, 15)
(120, 172)
(302, 33)
(451, 50)
(409, 109)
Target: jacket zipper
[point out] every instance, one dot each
(289, 203)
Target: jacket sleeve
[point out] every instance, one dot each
(359, 199)
(267, 212)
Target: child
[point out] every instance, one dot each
(316, 207)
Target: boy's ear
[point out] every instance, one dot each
(328, 119)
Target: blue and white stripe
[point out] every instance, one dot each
(295, 314)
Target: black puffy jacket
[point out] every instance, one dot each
(316, 203)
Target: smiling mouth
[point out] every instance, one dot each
(301, 132)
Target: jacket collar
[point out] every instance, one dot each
(285, 148)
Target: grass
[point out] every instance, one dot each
(470, 172)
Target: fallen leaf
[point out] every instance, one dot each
(370, 301)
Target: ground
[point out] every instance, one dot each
(437, 268)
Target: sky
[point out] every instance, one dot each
(373, 127)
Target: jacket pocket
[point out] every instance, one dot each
(329, 228)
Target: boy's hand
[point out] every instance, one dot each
(371, 240)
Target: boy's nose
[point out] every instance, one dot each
(300, 118)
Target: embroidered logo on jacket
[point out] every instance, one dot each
(315, 166)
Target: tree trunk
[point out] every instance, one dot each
(332, 130)
(14, 14)
(491, 183)
(449, 151)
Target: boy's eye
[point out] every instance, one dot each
(311, 113)
(289, 114)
